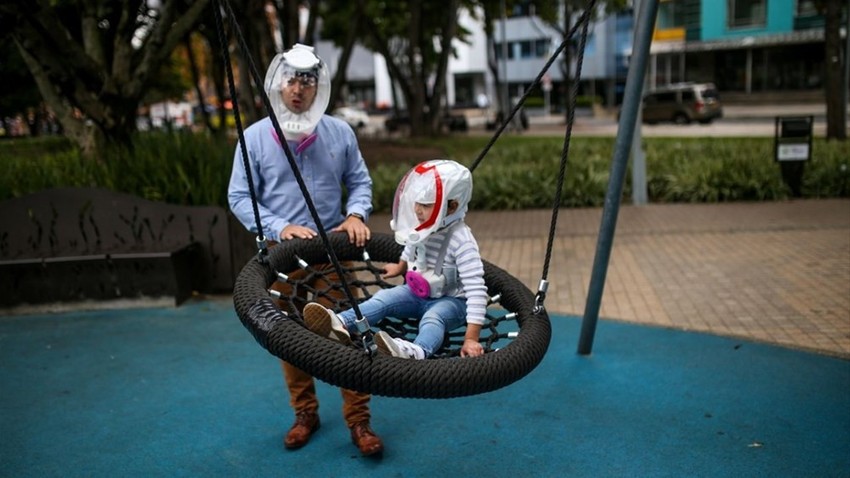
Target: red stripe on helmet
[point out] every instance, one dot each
(423, 168)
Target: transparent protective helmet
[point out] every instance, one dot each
(433, 182)
(300, 64)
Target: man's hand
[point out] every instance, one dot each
(293, 231)
(358, 232)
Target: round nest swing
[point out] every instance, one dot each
(283, 334)
(445, 375)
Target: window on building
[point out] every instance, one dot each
(464, 90)
(510, 49)
(541, 48)
(806, 8)
(525, 49)
(670, 14)
(746, 13)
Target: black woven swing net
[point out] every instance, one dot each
(515, 338)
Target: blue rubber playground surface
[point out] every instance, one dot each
(186, 391)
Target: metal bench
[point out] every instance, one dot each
(77, 244)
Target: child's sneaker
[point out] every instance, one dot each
(398, 347)
(326, 323)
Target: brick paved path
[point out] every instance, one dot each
(775, 272)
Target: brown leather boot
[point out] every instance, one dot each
(306, 423)
(366, 440)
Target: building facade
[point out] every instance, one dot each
(745, 47)
(523, 45)
(529, 43)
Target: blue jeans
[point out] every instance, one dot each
(436, 315)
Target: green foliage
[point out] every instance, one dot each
(178, 168)
(587, 101)
(26, 146)
(523, 173)
(385, 178)
(534, 102)
(519, 172)
(738, 169)
(731, 170)
(181, 168)
(829, 173)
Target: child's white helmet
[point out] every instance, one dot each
(433, 182)
(299, 61)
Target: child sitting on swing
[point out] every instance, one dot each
(444, 276)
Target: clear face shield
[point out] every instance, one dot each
(298, 86)
(429, 183)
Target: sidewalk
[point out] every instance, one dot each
(737, 121)
(731, 112)
(776, 272)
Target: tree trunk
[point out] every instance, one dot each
(339, 78)
(196, 81)
(310, 32)
(410, 61)
(415, 95)
(492, 62)
(95, 84)
(836, 109)
(449, 28)
(258, 39)
(87, 137)
(287, 15)
(245, 90)
(258, 34)
(216, 69)
(567, 66)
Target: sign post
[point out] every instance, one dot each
(792, 148)
(546, 86)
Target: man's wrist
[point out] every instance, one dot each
(358, 216)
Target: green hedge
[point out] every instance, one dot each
(519, 172)
(179, 168)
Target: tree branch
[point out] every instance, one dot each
(166, 35)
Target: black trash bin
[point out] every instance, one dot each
(792, 148)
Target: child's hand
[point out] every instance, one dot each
(471, 348)
(394, 270)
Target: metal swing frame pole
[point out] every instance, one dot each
(625, 133)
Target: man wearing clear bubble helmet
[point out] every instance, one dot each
(444, 276)
(327, 154)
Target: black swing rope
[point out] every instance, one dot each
(349, 367)
(584, 22)
(261, 240)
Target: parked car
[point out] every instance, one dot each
(355, 117)
(451, 122)
(682, 103)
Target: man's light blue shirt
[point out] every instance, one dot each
(334, 159)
